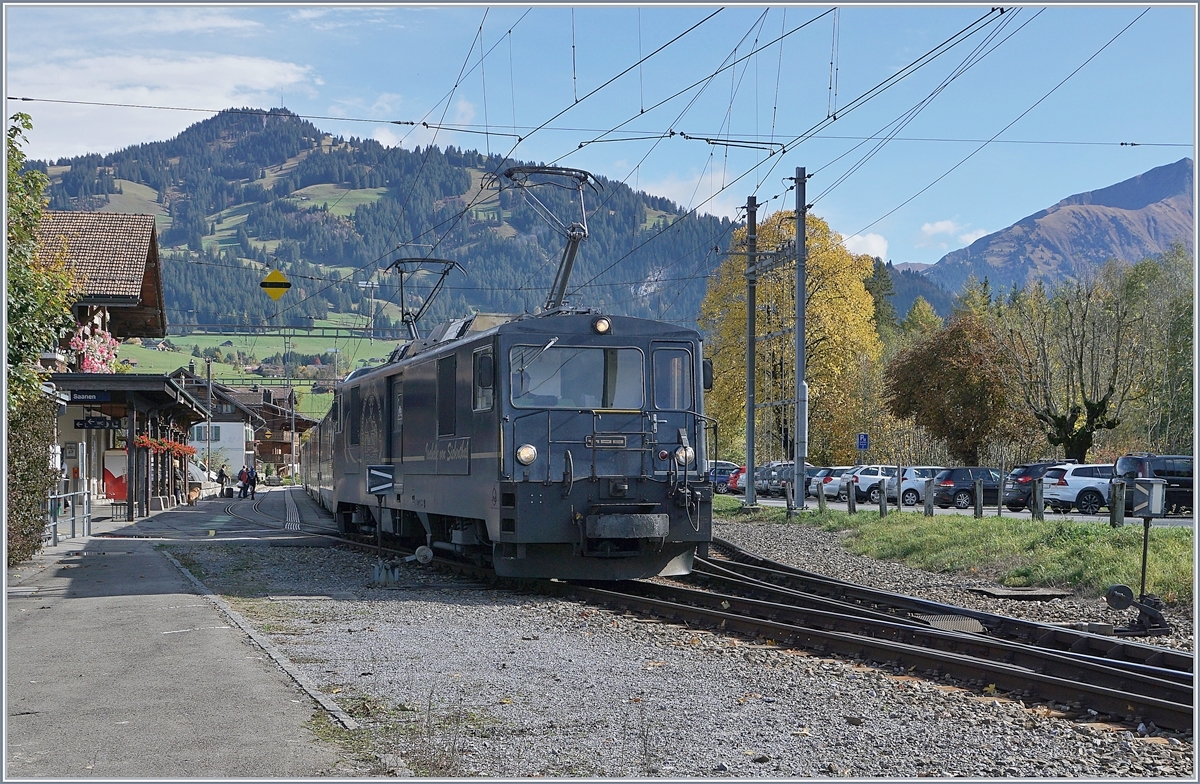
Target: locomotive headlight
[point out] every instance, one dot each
(526, 454)
(684, 455)
(601, 325)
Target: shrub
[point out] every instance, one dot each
(31, 427)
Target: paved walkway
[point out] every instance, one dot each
(117, 668)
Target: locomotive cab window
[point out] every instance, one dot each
(483, 385)
(580, 378)
(673, 388)
(446, 403)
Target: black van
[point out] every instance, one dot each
(1175, 469)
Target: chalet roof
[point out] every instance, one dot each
(115, 257)
(271, 402)
(198, 385)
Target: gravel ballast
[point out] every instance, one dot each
(450, 676)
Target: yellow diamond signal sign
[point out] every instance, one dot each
(275, 284)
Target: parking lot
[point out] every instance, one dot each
(990, 510)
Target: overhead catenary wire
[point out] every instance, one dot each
(861, 100)
(1035, 104)
(973, 58)
(646, 135)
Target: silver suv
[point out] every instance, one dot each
(913, 491)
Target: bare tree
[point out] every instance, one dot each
(1072, 357)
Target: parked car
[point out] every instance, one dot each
(844, 481)
(1018, 487)
(1175, 469)
(865, 480)
(823, 476)
(782, 475)
(762, 475)
(1085, 487)
(913, 491)
(719, 476)
(956, 486)
(735, 480)
(721, 464)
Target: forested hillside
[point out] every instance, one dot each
(244, 191)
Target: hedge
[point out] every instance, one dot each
(31, 431)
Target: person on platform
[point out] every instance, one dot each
(243, 482)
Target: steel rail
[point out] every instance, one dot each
(1014, 654)
(964, 667)
(1179, 663)
(773, 592)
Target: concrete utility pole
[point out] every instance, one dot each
(751, 305)
(801, 426)
(287, 369)
(208, 424)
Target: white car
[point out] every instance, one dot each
(865, 480)
(1084, 487)
(913, 492)
(832, 479)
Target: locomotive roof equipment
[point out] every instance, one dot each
(401, 266)
(526, 178)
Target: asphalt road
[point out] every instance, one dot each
(988, 511)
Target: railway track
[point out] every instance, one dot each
(746, 569)
(742, 593)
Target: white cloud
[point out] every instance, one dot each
(385, 103)
(189, 20)
(204, 81)
(464, 112)
(940, 227)
(971, 236)
(695, 191)
(871, 244)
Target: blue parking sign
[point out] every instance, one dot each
(863, 441)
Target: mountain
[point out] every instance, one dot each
(246, 190)
(1140, 217)
(909, 284)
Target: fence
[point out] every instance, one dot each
(59, 505)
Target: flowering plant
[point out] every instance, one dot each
(95, 350)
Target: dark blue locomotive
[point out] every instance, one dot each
(566, 445)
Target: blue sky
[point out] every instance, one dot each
(387, 63)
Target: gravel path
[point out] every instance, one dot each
(452, 677)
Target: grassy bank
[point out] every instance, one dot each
(1087, 557)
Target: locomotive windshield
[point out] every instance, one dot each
(569, 377)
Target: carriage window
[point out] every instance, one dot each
(482, 398)
(446, 403)
(580, 378)
(672, 379)
(355, 415)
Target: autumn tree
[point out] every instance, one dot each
(1071, 354)
(954, 383)
(839, 330)
(1159, 413)
(920, 322)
